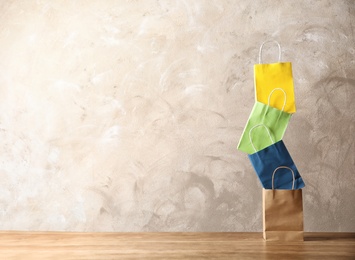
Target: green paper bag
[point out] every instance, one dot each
(276, 122)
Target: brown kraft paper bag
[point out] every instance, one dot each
(282, 213)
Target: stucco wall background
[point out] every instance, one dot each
(125, 115)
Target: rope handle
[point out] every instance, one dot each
(267, 129)
(285, 100)
(283, 167)
(261, 49)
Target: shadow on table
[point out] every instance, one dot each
(326, 236)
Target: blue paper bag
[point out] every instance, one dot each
(272, 158)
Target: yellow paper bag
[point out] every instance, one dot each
(270, 79)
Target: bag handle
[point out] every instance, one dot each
(261, 49)
(267, 129)
(285, 100)
(283, 167)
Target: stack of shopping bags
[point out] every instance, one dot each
(262, 141)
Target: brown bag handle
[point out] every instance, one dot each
(283, 167)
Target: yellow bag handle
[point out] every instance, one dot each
(261, 49)
(283, 167)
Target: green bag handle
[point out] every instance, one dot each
(267, 129)
(261, 50)
(283, 167)
(268, 101)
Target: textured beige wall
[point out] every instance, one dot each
(125, 115)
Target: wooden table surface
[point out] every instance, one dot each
(67, 245)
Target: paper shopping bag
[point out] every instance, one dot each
(273, 157)
(282, 214)
(274, 76)
(275, 120)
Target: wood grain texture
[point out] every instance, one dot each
(65, 245)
